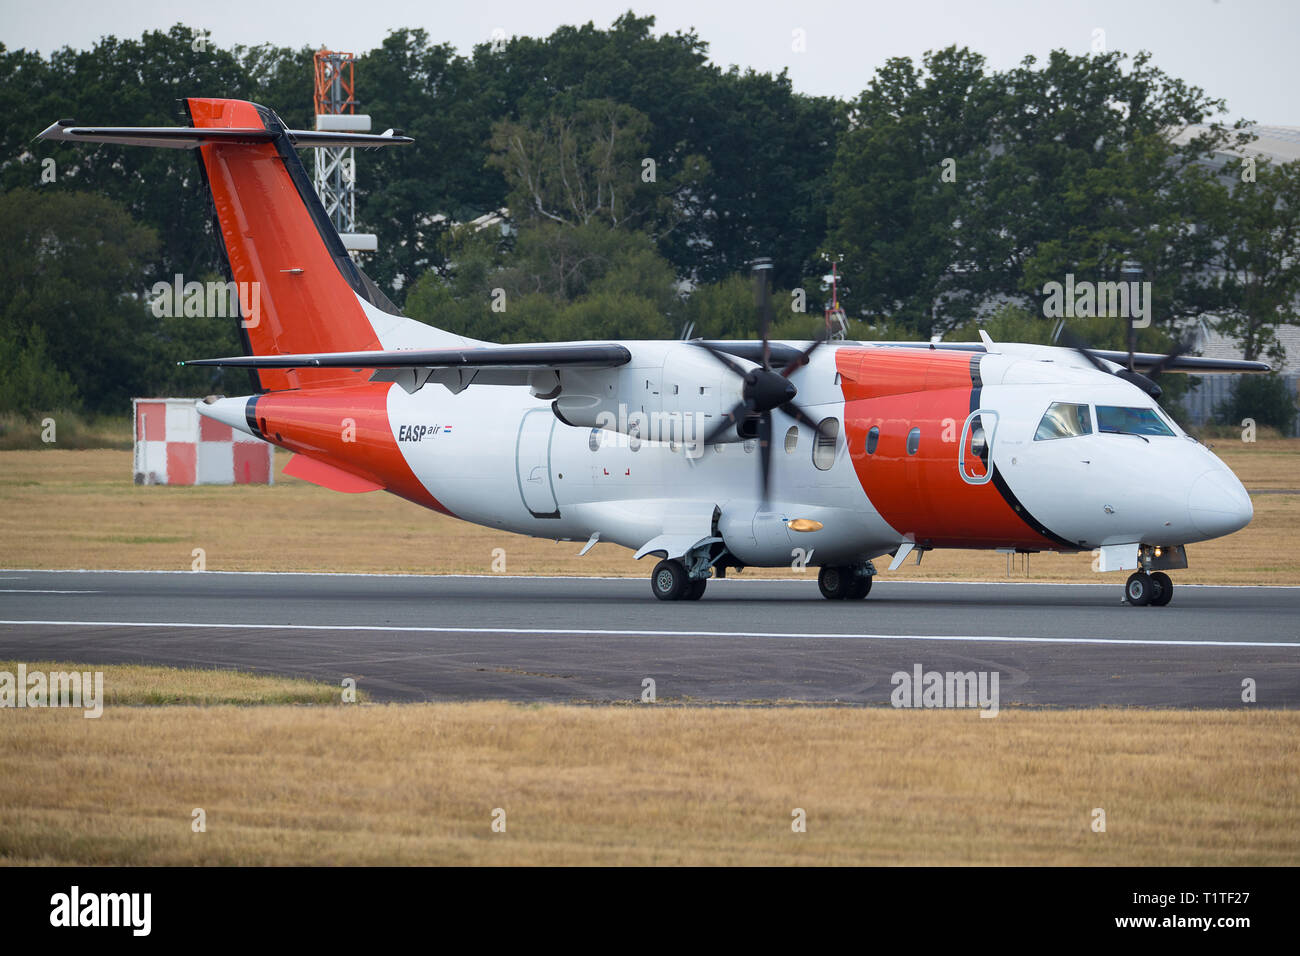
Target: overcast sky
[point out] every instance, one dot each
(1241, 50)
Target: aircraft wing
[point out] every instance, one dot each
(525, 358)
(455, 368)
(1192, 364)
(1142, 361)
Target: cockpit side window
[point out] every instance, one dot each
(1118, 420)
(1064, 420)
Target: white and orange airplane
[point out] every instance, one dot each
(694, 452)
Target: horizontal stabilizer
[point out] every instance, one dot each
(505, 357)
(184, 137)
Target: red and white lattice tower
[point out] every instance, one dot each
(336, 166)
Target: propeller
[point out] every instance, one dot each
(763, 389)
(1145, 381)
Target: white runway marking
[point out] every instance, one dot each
(45, 591)
(593, 632)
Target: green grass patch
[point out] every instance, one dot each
(64, 430)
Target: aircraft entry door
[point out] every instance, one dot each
(975, 452)
(533, 463)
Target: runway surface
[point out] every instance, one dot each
(597, 639)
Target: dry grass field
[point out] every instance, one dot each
(644, 784)
(79, 509)
(127, 685)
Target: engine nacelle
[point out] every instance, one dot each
(669, 392)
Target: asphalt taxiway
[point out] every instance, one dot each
(409, 637)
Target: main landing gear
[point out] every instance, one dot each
(1154, 589)
(670, 582)
(845, 582)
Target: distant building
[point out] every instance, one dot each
(175, 445)
(1202, 401)
(1278, 144)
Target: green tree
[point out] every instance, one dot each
(129, 82)
(73, 269)
(992, 184)
(410, 196)
(1252, 278)
(29, 380)
(1267, 399)
(557, 282)
(760, 151)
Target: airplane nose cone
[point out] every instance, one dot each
(1218, 504)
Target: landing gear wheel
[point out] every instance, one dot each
(1139, 590)
(834, 582)
(695, 590)
(669, 581)
(1163, 589)
(859, 587)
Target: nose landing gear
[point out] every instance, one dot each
(1155, 589)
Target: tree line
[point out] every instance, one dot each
(601, 183)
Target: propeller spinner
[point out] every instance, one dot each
(763, 389)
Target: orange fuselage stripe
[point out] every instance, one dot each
(347, 428)
(923, 495)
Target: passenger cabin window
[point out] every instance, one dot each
(873, 439)
(1064, 420)
(1116, 420)
(828, 433)
(791, 439)
(914, 441)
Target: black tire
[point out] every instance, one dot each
(834, 582)
(1163, 589)
(668, 581)
(695, 590)
(1139, 590)
(859, 587)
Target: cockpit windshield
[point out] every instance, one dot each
(1064, 420)
(1116, 420)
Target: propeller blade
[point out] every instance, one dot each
(1070, 340)
(802, 360)
(799, 415)
(732, 417)
(724, 358)
(1178, 351)
(1132, 343)
(762, 299)
(765, 449)
(765, 329)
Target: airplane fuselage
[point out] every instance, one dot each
(954, 462)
